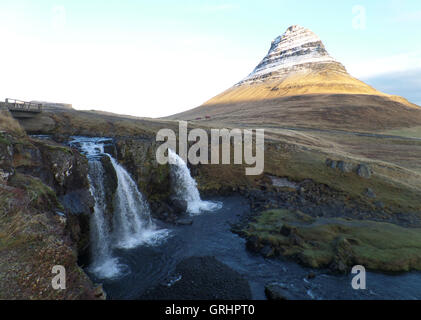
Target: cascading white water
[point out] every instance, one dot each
(103, 264)
(185, 186)
(132, 219)
(132, 223)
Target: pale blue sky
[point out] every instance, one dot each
(155, 58)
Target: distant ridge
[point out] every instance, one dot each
(54, 104)
(296, 67)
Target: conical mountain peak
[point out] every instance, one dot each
(297, 50)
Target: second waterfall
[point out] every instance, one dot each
(185, 187)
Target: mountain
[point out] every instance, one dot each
(298, 83)
(297, 51)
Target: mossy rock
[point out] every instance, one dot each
(40, 195)
(338, 243)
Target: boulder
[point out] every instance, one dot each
(278, 291)
(179, 206)
(267, 251)
(287, 230)
(370, 193)
(110, 149)
(253, 244)
(364, 171)
(162, 210)
(344, 166)
(344, 255)
(331, 163)
(380, 205)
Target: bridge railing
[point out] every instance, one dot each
(19, 105)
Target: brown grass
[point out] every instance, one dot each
(324, 111)
(324, 81)
(9, 124)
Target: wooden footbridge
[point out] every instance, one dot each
(21, 109)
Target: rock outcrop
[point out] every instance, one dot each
(334, 243)
(44, 219)
(362, 170)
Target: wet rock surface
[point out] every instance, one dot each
(278, 291)
(202, 278)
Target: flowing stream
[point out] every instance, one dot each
(134, 254)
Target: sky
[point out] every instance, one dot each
(157, 58)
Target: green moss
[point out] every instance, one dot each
(51, 147)
(4, 140)
(40, 195)
(376, 245)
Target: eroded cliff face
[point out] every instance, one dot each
(45, 206)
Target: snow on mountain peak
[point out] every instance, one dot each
(298, 49)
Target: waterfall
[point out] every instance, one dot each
(185, 186)
(103, 265)
(132, 218)
(132, 224)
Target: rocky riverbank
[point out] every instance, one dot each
(321, 228)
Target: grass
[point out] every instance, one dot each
(349, 112)
(330, 79)
(376, 245)
(303, 165)
(9, 124)
(396, 187)
(31, 242)
(40, 195)
(413, 132)
(54, 147)
(92, 123)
